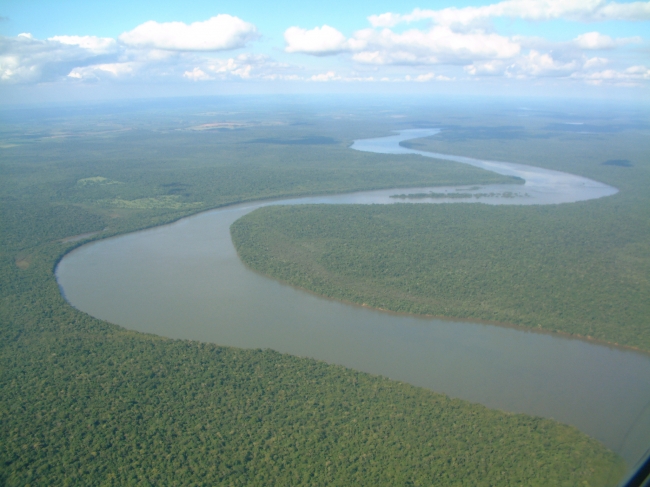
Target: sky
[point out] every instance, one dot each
(86, 50)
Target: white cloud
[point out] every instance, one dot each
(537, 64)
(24, 59)
(632, 76)
(462, 37)
(359, 78)
(456, 40)
(244, 66)
(284, 77)
(623, 11)
(223, 32)
(640, 71)
(388, 19)
(531, 65)
(580, 10)
(333, 76)
(97, 71)
(595, 62)
(486, 68)
(317, 41)
(150, 50)
(385, 57)
(97, 45)
(240, 68)
(329, 76)
(11, 70)
(588, 41)
(438, 45)
(197, 74)
(423, 78)
(596, 40)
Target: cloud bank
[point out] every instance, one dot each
(459, 43)
(220, 33)
(150, 49)
(318, 41)
(575, 10)
(24, 59)
(465, 38)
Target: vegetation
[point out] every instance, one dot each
(580, 268)
(99, 405)
(86, 402)
(531, 266)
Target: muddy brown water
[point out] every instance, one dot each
(184, 280)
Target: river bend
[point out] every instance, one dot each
(184, 280)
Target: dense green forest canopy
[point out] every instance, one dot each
(87, 402)
(579, 268)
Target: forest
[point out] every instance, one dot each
(579, 268)
(88, 402)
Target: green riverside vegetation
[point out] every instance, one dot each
(85, 402)
(579, 268)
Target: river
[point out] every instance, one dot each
(184, 280)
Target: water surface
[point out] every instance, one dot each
(185, 280)
(542, 187)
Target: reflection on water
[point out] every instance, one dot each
(185, 280)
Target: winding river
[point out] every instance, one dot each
(184, 280)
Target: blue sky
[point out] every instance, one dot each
(72, 49)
